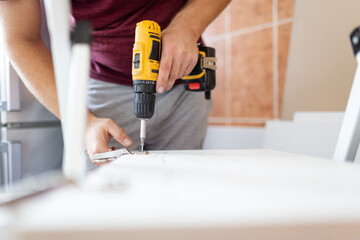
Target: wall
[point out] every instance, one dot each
(321, 64)
(230, 137)
(251, 38)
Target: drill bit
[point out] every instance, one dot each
(142, 134)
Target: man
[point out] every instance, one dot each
(180, 117)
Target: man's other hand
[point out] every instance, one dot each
(99, 131)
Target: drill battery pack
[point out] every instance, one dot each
(203, 77)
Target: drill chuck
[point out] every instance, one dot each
(144, 101)
(144, 105)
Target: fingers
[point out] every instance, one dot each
(174, 73)
(118, 134)
(97, 146)
(176, 62)
(182, 70)
(164, 72)
(192, 63)
(189, 62)
(99, 132)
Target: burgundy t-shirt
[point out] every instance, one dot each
(114, 23)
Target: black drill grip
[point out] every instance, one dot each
(144, 99)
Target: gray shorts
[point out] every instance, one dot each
(179, 122)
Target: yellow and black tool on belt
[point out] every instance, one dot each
(145, 69)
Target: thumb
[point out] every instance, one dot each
(119, 134)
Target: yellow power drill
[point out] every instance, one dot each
(145, 69)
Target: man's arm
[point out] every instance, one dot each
(20, 23)
(21, 27)
(179, 39)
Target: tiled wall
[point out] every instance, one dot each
(251, 38)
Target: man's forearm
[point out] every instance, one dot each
(20, 24)
(195, 18)
(32, 60)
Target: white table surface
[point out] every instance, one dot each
(232, 194)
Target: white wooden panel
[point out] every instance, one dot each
(243, 194)
(316, 138)
(318, 117)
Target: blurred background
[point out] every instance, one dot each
(30, 138)
(278, 58)
(252, 40)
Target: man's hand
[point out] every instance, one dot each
(178, 57)
(179, 53)
(99, 132)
